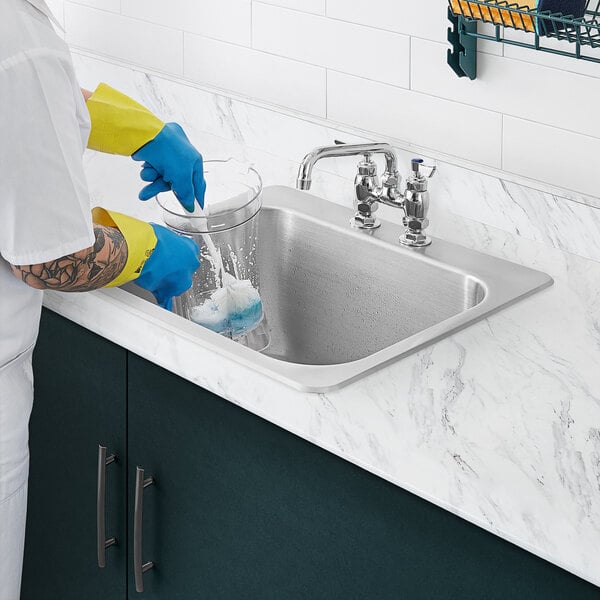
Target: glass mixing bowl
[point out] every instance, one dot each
(225, 295)
(233, 196)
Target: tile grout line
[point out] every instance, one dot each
(410, 64)
(327, 93)
(502, 143)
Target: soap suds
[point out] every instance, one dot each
(234, 309)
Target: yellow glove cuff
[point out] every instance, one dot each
(140, 239)
(497, 15)
(119, 124)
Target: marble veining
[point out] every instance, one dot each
(533, 214)
(498, 423)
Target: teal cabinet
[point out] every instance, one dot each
(80, 403)
(235, 507)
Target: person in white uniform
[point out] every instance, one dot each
(48, 236)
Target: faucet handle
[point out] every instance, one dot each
(418, 164)
(416, 205)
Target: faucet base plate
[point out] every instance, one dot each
(365, 223)
(420, 242)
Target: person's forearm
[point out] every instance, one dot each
(86, 94)
(88, 269)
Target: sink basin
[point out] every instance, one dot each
(341, 303)
(333, 297)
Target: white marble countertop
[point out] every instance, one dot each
(498, 423)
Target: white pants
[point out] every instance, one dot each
(16, 399)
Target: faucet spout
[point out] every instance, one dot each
(304, 179)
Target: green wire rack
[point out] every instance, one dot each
(580, 34)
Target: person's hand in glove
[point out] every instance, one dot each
(170, 162)
(158, 259)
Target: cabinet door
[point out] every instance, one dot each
(79, 403)
(243, 510)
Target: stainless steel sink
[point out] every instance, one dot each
(333, 296)
(341, 303)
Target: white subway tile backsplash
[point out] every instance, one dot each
(227, 20)
(422, 18)
(383, 65)
(511, 87)
(346, 47)
(316, 7)
(551, 155)
(564, 63)
(418, 18)
(145, 44)
(426, 121)
(256, 74)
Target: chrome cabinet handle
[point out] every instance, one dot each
(102, 542)
(139, 566)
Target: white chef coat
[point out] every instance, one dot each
(44, 127)
(44, 214)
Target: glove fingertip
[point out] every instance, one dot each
(187, 204)
(145, 194)
(153, 189)
(162, 300)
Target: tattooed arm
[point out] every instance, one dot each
(88, 269)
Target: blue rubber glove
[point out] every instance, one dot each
(169, 270)
(172, 163)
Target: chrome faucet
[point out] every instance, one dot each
(370, 190)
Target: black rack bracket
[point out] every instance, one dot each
(462, 57)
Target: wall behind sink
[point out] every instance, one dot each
(379, 66)
(518, 145)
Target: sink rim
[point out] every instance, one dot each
(503, 283)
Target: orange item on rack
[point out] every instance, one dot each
(499, 16)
